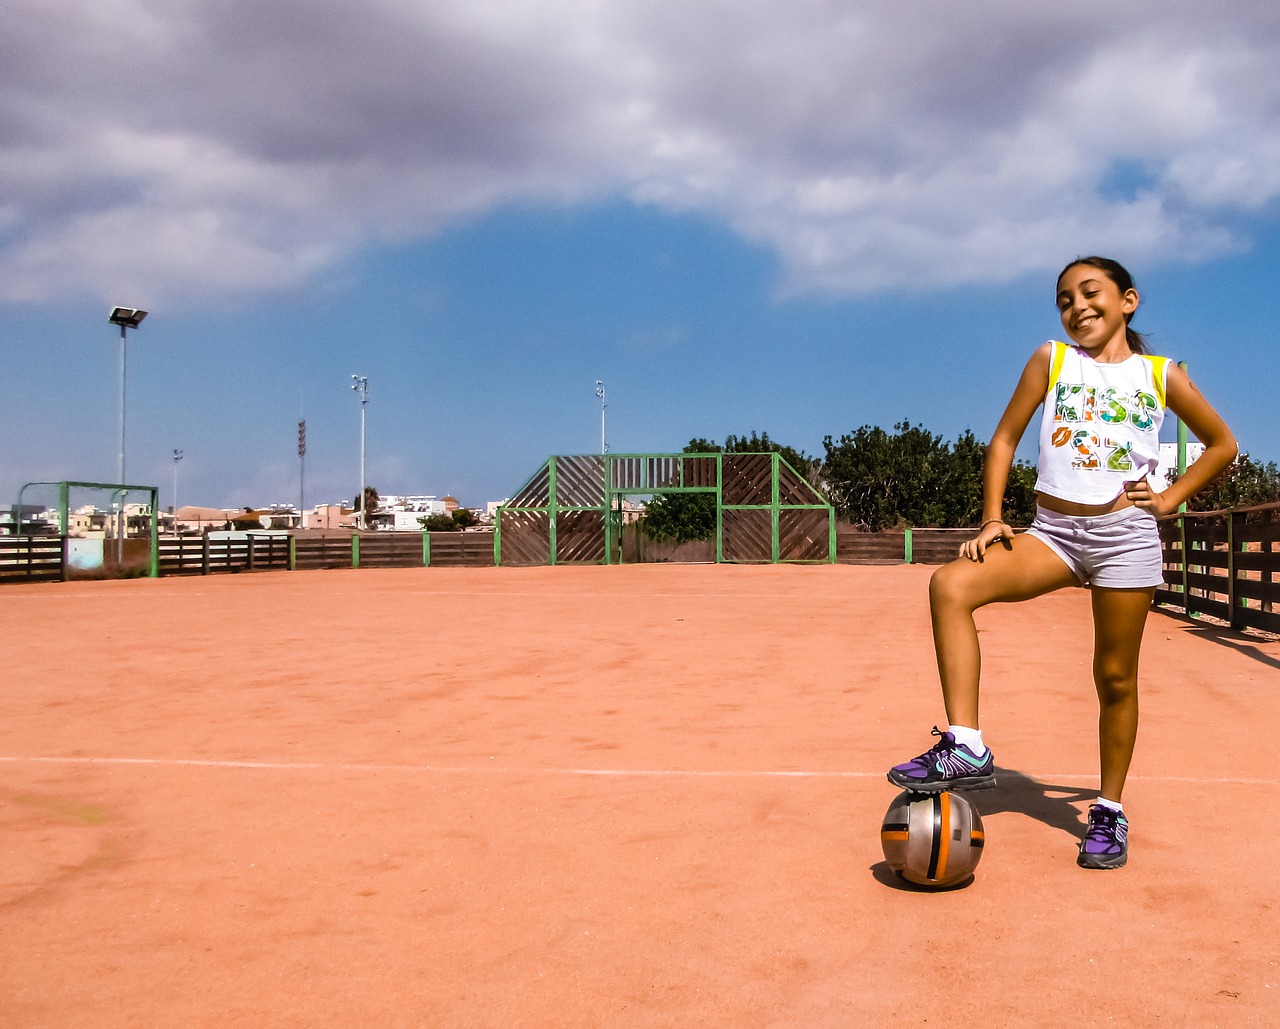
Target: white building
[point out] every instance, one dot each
(406, 511)
(1168, 464)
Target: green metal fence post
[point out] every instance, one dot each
(551, 508)
(293, 553)
(355, 550)
(606, 471)
(906, 546)
(719, 508)
(426, 548)
(775, 500)
(155, 534)
(63, 509)
(1182, 444)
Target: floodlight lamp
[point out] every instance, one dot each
(126, 317)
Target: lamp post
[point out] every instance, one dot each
(127, 318)
(302, 473)
(177, 456)
(360, 383)
(604, 447)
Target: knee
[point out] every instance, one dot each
(948, 587)
(1116, 681)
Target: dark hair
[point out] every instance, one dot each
(1118, 274)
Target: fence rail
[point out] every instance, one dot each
(203, 555)
(1224, 564)
(32, 559)
(912, 546)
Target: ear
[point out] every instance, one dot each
(1129, 301)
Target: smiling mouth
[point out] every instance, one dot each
(1084, 323)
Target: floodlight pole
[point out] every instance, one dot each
(126, 318)
(360, 383)
(177, 456)
(302, 473)
(604, 447)
(120, 454)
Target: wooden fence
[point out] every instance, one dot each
(204, 555)
(44, 558)
(913, 546)
(32, 558)
(1220, 564)
(196, 556)
(1224, 564)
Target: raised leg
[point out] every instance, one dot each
(1020, 570)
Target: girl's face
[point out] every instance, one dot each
(1094, 311)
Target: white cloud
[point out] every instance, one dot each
(204, 148)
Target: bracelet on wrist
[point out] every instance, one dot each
(989, 521)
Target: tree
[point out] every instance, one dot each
(1245, 483)
(912, 477)
(455, 521)
(438, 523)
(877, 480)
(371, 501)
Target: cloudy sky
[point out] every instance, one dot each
(788, 216)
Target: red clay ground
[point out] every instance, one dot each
(641, 796)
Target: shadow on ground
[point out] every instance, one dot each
(1055, 806)
(1240, 642)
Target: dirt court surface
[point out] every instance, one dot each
(637, 796)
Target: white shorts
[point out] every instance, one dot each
(1119, 550)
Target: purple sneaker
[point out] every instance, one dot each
(947, 765)
(1106, 840)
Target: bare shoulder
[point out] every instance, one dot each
(1189, 404)
(1036, 372)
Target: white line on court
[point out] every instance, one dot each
(640, 773)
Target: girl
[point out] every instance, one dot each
(1104, 397)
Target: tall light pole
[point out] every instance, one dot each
(127, 318)
(302, 473)
(360, 383)
(177, 456)
(604, 447)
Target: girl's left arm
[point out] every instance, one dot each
(1220, 448)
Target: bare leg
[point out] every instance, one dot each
(1118, 620)
(1024, 569)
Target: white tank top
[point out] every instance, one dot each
(1101, 424)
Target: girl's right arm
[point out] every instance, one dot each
(1027, 397)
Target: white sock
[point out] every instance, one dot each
(971, 738)
(1114, 805)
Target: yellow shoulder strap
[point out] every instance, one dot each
(1055, 364)
(1159, 375)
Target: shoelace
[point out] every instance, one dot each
(1102, 825)
(942, 746)
(941, 753)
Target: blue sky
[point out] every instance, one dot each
(793, 218)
